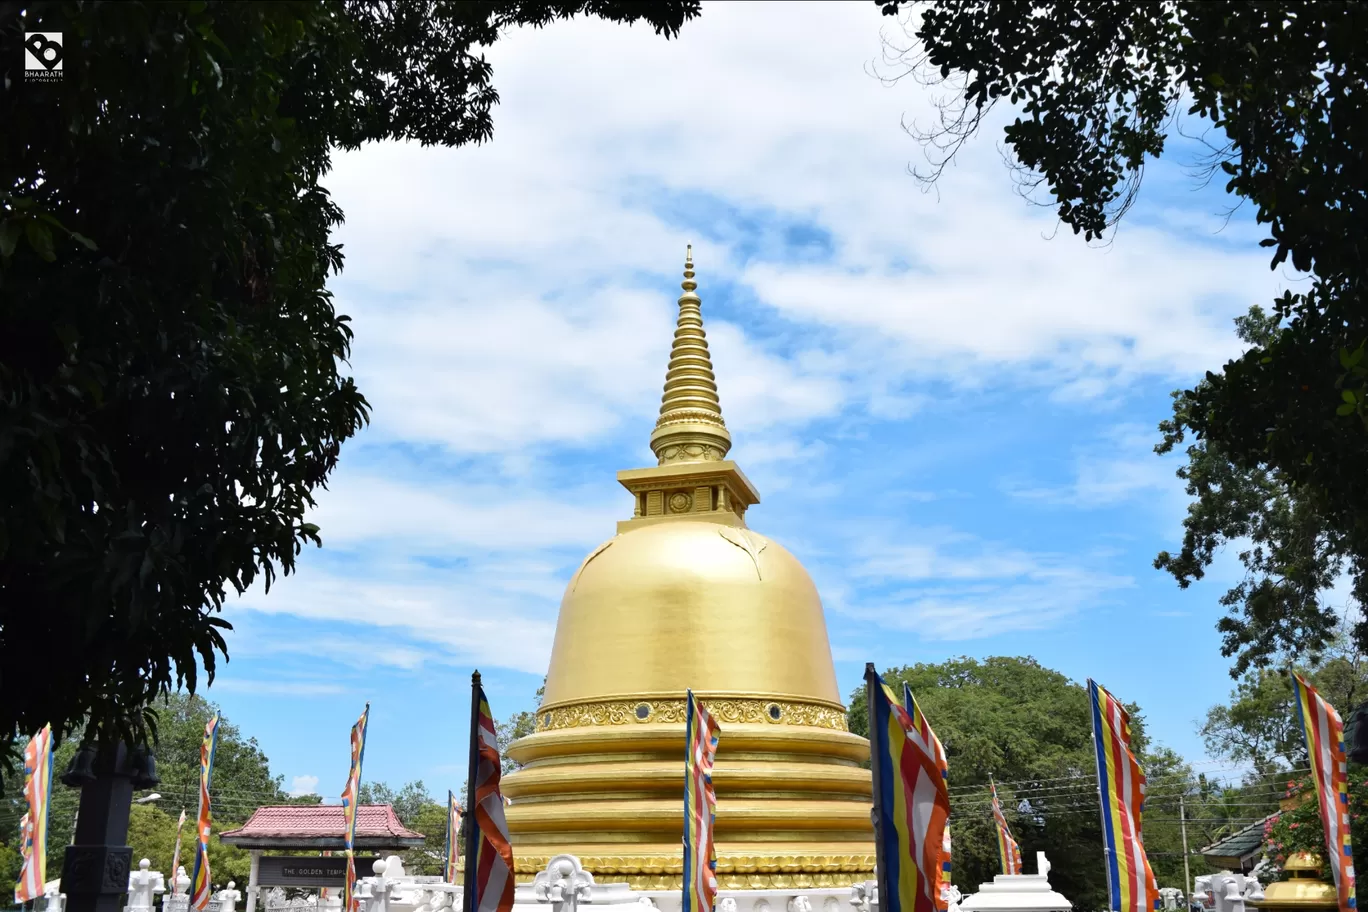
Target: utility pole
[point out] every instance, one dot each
(1187, 873)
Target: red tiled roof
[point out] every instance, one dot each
(321, 821)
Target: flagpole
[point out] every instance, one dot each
(1093, 711)
(876, 813)
(471, 808)
(1002, 847)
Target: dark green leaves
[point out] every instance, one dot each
(1282, 430)
(171, 364)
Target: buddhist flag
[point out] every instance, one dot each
(1325, 749)
(200, 887)
(489, 851)
(1008, 850)
(175, 855)
(453, 828)
(913, 711)
(945, 868)
(37, 791)
(351, 794)
(1121, 785)
(911, 802)
(700, 809)
(324, 892)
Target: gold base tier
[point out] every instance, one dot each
(793, 804)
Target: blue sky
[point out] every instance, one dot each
(948, 405)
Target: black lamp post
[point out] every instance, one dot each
(95, 870)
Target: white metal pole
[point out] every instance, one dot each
(1187, 872)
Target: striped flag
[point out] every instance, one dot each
(200, 887)
(913, 711)
(453, 828)
(700, 809)
(175, 855)
(1121, 785)
(1325, 749)
(489, 854)
(37, 791)
(351, 794)
(324, 892)
(911, 802)
(945, 868)
(1008, 850)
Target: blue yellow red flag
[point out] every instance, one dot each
(351, 796)
(201, 889)
(701, 734)
(37, 795)
(490, 883)
(1121, 787)
(453, 829)
(1009, 852)
(175, 855)
(911, 802)
(1325, 749)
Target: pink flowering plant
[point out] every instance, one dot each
(1299, 829)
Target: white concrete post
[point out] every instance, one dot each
(143, 884)
(56, 899)
(379, 889)
(253, 888)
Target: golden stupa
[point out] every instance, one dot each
(686, 596)
(1302, 891)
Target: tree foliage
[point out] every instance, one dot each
(1299, 829)
(152, 835)
(1098, 86)
(518, 725)
(242, 779)
(1029, 728)
(171, 382)
(1258, 726)
(242, 782)
(419, 812)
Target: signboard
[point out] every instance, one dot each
(310, 870)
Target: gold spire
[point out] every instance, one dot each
(690, 427)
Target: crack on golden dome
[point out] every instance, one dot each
(690, 427)
(596, 552)
(747, 541)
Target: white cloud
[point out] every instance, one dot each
(952, 586)
(497, 614)
(1120, 467)
(303, 785)
(451, 517)
(517, 293)
(283, 687)
(514, 305)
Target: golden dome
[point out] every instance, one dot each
(685, 597)
(1303, 888)
(683, 605)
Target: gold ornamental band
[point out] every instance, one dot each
(741, 872)
(733, 710)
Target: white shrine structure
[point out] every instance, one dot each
(1018, 893)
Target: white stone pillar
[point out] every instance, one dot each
(253, 888)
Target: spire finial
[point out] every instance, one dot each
(690, 427)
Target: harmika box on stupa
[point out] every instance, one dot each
(685, 596)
